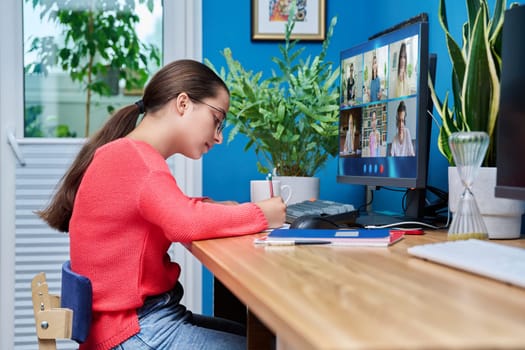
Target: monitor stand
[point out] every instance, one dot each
(414, 211)
(378, 219)
(393, 220)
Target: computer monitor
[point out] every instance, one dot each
(384, 127)
(510, 181)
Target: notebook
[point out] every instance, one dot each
(339, 237)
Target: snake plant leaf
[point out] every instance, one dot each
(447, 122)
(442, 15)
(481, 85)
(457, 58)
(496, 33)
(444, 147)
(496, 22)
(458, 76)
(473, 10)
(475, 75)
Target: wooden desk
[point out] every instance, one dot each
(322, 297)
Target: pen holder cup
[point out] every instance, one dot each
(260, 190)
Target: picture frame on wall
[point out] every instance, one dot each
(269, 18)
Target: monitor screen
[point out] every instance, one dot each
(384, 128)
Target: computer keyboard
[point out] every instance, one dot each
(338, 213)
(498, 261)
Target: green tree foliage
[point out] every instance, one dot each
(99, 37)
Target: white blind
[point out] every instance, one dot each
(38, 247)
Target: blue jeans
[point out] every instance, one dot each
(166, 324)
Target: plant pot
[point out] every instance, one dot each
(303, 188)
(501, 216)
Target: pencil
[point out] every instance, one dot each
(269, 177)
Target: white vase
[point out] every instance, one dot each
(303, 188)
(501, 216)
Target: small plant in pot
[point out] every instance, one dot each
(476, 69)
(289, 118)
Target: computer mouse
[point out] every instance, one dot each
(314, 221)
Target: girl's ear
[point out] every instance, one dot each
(182, 103)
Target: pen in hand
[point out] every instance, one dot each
(269, 178)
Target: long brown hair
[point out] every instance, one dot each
(402, 53)
(189, 76)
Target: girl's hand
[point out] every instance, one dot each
(274, 210)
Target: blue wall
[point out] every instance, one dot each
(229, 26)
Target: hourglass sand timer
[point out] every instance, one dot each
(468, 149)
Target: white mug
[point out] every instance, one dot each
(303, 187)
(260, 190)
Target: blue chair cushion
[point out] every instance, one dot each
(77, 294)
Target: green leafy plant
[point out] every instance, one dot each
(99, 37)
(32, 122)
(291, 117)
(34, 125)
(476, 69)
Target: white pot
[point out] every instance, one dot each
(501, 216)
(303, 188)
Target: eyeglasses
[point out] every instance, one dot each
(220, 124)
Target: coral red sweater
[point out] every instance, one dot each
(127, 211)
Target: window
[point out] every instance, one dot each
(85, 59)
(42, 155)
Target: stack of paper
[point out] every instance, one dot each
(348, 237)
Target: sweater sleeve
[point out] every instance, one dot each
(185, 219)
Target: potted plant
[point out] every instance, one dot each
(99, 43)
(291, 117)
(476, 69)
